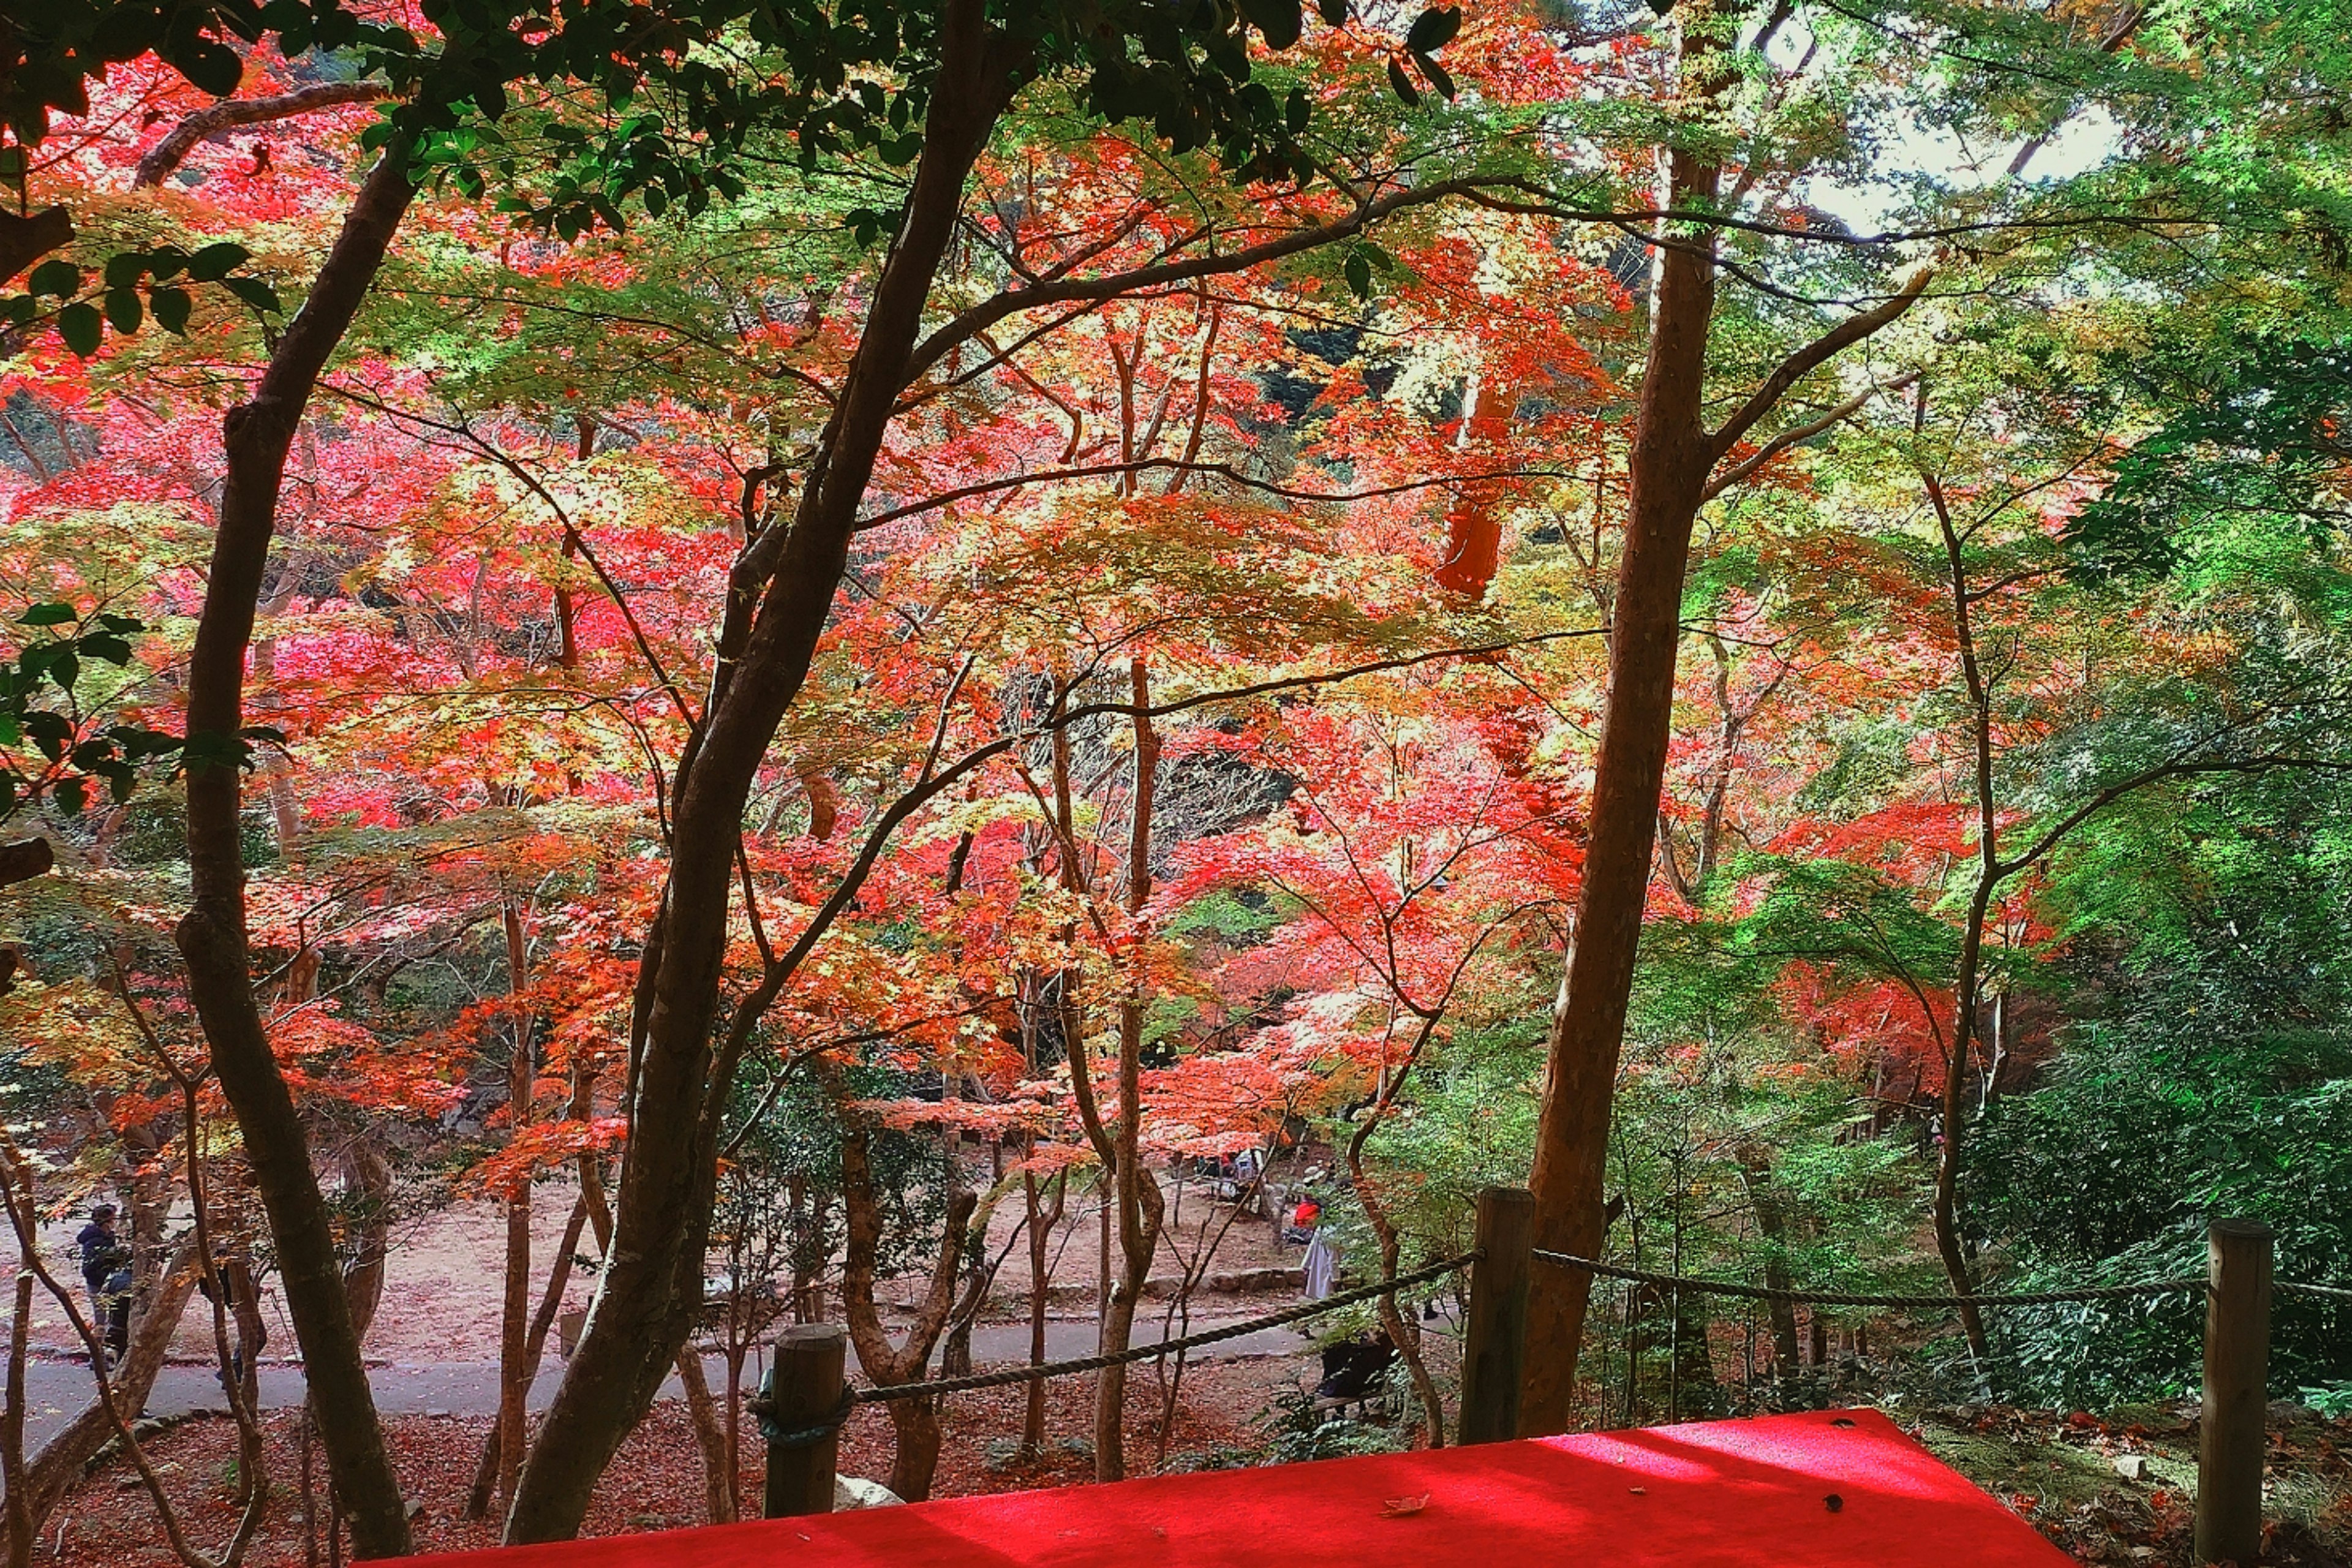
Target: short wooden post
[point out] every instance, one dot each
(2235, 1435)
(1494, 1348)
(803, 1392)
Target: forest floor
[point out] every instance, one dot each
(656, 1483)
(2121, 1488)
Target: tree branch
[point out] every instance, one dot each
(1778, 444)
(166, 155)
(1811, 357)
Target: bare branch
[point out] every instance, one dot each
(1813, 356)
(1778, 444)
(166, 155)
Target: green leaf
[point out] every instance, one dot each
(1358, 271)
(125, 268)
(122, 308)
(1403, 87)
(79, 326)
(1296, 110)
(1278, 20)
(60, 277)
(1434, 30)
(1435, 74)
(214, 67)
(253, 292)
(1335, 11)
(171, 307)
(214, 262)
(52, 613)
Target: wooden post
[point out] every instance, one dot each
(2234, 1435)
(805, 1391)
(1494, 1348)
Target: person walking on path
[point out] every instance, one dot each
(106, 1271)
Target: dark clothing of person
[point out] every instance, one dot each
(115, 1311)
(102, 1253)
(1350, 1370)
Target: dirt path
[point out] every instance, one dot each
(58, 1388)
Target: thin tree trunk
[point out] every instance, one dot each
(485, 1469)
(709, 1437)
(1969, 991)
(59, 1463)
(1772, 1223)
(1041, 1231)
(1135, 1190)
(651, 1288)
(514, 1331)
(257, 435)
(915, 1422)
(11, 1430)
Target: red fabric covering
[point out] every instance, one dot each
(1720, 1494)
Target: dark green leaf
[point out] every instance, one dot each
(1434, 74)
(253, 292)
(214, 262)
(79, 326)
(49, 615)
(171, 307)
(1434, 30)
(60, 277)
(214, 67)
(1278, 20)
(1358, 271)
(1400, 86)
(124, 309)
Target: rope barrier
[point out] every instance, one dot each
(891, 1392)
(2304, 1288)
(1846, 1298)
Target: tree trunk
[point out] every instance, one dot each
(709, 1437)
(485, 1469)
(651, 1288)
(1042, 1222)
(1670, 457)
(12, 1429)
(514, 1331)
(1673, 456)
(915, 1421)
(1135, 1190)
(1772, 1223)
(257, 435)
(1968, 990)
(367, 1177)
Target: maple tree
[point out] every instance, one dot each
(985, 609)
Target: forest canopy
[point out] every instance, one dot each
(821, 635)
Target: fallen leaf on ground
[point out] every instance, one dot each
(1400, 1507)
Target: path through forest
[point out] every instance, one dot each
(58, 1388)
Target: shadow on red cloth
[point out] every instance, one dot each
(1721, 1494)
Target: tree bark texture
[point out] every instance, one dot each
(258, 435)
(778, 602)
(1670, 457)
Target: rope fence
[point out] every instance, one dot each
(808, 1396)
(1853, 1299)
(885, 1394)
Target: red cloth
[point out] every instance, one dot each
(1720, 1494)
